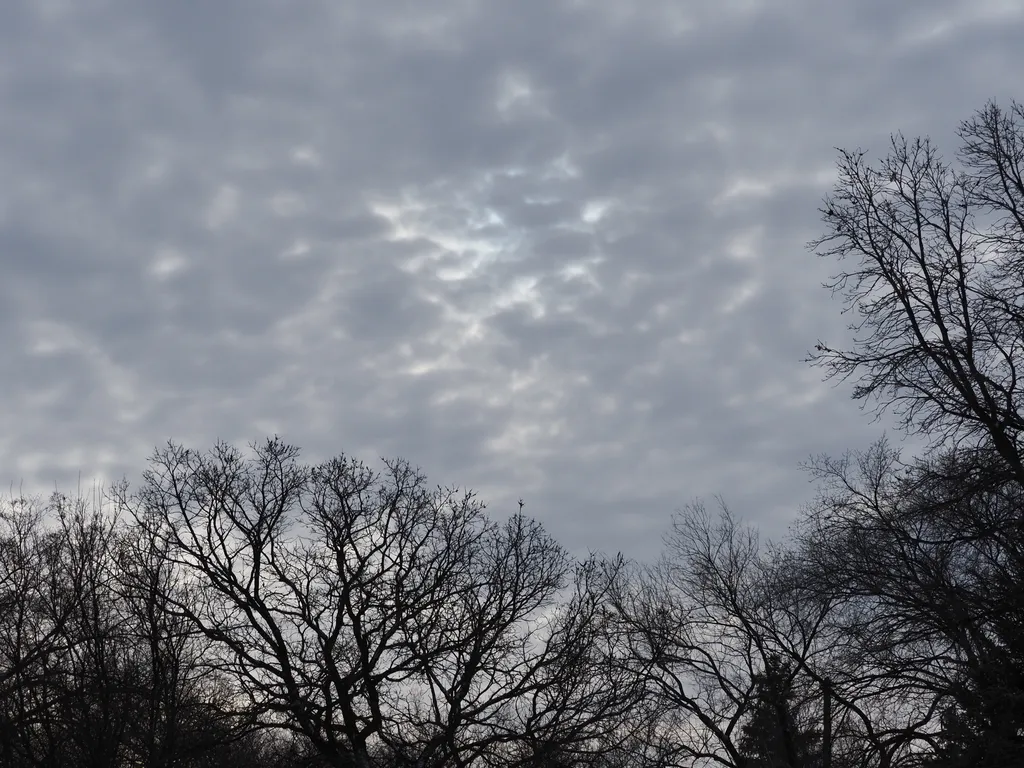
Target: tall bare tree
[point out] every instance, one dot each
(373, 614)
(932, 258)
(703, 627)
(924, 559)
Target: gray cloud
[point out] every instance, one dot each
(544, 249)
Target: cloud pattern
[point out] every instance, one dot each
(547, 249)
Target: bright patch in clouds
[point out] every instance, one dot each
(167, 264)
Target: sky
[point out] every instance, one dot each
(546, 249)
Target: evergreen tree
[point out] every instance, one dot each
(776, 735)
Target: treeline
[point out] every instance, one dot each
(246, 609)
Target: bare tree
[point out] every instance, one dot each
(182, 707)
(702, 628)
(585, 706)
(35, 605)
(62, 663)
(372, 614)
(932, 271)
(923, 561)
(922, 565)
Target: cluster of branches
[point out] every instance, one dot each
(920, 562)
(94, 670)
(249, 609)
(254, 609)
(888, 630)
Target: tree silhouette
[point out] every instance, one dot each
(775, 734)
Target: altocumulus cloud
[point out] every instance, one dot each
(550, 248)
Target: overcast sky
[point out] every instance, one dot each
(541, 248)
